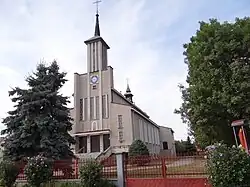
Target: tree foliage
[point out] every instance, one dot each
(138, 148)
(218, 60)
(39, 170)
(185, 146)
(40, 121)
(8, 173)
(91, 175)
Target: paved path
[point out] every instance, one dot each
(181, 162)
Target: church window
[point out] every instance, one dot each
(91, 107)
(97, 60)
(85, 108)
(120, 136)
(120, 125)
(97, 107)
(165, 145)
(81, 109)
(103, 106)
(141, 129)
(145, 132)
(107, 106)
(149, 134)
(93, 57)
(104, 58)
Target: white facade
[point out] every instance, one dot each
(105, 121)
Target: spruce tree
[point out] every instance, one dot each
(40, 122)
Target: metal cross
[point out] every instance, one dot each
(97, 5)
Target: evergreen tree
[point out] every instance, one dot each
(40, 122)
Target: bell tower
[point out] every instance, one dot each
(97, 57)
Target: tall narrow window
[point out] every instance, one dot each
(104, 58)
(145, 132)
(85, 108)
(97, 60)
(120, 125)
(104, 106)
(120, 136)
(81, 110)
(149, 134)
(92, 108)
(93, 56)
(107, 106)
(140, 129)
(97, 107)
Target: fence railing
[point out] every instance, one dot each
(69, 169)
(135, 167)
(166, 167)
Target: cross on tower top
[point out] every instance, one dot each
(97, 5)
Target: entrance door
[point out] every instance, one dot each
(106, 141)
(82, 144)
(95, 143)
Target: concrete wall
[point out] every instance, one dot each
(144, 130)
(167, 135)
(126, 130)
(84, 90)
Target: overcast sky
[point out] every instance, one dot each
(145, 36)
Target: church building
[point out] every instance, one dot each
(106, 121)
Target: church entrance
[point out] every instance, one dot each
(95, 143)
(106, 141)
(82, 144)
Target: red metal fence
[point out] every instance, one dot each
(179, 171)
(153, 171)
(69, 169)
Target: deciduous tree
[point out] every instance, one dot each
(218, 91)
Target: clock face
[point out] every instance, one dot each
(94, 79)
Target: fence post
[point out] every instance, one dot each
(163, 168)
(120, 170)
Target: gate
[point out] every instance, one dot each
(156, 171)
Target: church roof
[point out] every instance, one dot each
(97, 27)
(97, 34)
(132, 104)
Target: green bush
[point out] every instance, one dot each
(70, 184)
(8, 173)
(106, 183)
(228, 166)
(39, 170)
(138, 148)
(91, 173)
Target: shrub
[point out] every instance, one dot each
(138, 148)
(228, 166)
(70, 184)
(38, 170)
(91, 173)
(8, 173)
(106, 183)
